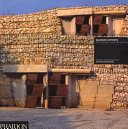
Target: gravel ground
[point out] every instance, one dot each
(67, 118)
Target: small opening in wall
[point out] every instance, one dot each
(86, 19)
(78, 28)
(103, 20)
(95, 29)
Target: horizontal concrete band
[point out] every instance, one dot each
(39, 69)
(71, 12)
(69, 70)
(86, 11)
(110, 12)
(25, 68)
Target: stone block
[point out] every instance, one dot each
(105, 89)
(88, 107)
(83, 94)
(87, 103)
(88, 83)
(103, 99)
(90, 99)
(102, 105)
(84, 87)
(103, 95)
(90, 91)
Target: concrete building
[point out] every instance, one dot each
(47, 59)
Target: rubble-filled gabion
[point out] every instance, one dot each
(42, 22)
(59, 51)
(37, 39)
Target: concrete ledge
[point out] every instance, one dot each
(80, 71)
(110, 12)
(25, 68)
(71, 12)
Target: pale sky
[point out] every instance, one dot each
(30, 6)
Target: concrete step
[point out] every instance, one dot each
(102, 105)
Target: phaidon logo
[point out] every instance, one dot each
(14, 125)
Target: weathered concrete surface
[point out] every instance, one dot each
(19, 90)
(6, 92)
(67, 118)
(24, 68)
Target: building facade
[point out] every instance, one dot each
(63, 39)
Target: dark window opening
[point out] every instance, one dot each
(95, 28)
(78, 28)
(82, 25)
(40, 79)
(86, 19)
(99, 25)
(103, 20)
(38, 102)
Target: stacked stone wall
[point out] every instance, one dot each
(36, 39)
(45, 21)
(42, 22)
(69, 51)
(124, 30)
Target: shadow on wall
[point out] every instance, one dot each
(12, 86)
